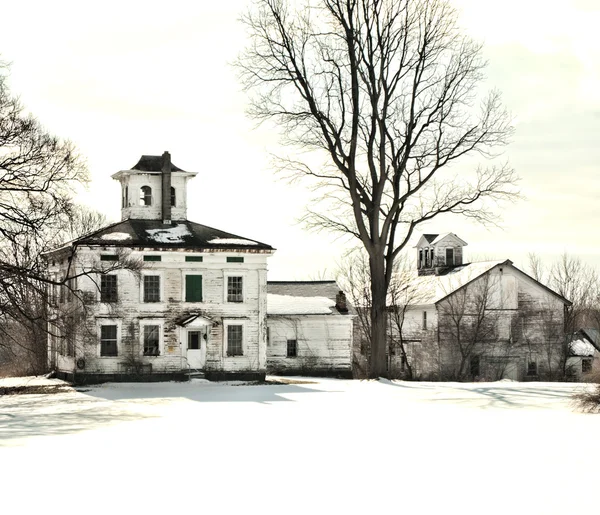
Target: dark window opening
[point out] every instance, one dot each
(151, 333)
(292, 348)
(403, 363)
(108, 288)
(145, 196)
(421, 258)
(424, 320)
(234, 340)
(235, 259)
(194, 340)
(172, 196)
(235, 289)
(151, 288)
(431, 257)
(109, 257)
(532, 369)
(449, 257)
(474, 366)
(152, 258)
(194, 259)
(586, 365)
(108, 340)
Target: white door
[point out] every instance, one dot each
(196, 347)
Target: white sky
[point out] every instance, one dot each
(122, 79)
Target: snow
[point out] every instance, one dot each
(429, 289)
(174, 234)
(116, 236)
(8, 382)
(291, 305)
(582, 348)
(231, 241)
(324, 447)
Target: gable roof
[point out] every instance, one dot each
(179, 234)
(432, 289)
(303, 297)
(593, 335)
(441, 237)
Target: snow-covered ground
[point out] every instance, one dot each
(328, 446)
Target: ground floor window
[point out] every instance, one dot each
(586, 365)
(532, 368)
(194, 340)
(151, 340)
(235, 334)
(474, 366)
(108, 340)
(292, 348)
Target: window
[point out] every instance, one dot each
(194, 259)
(193, 288)
(474, 366)
(151, 288)
(431, 256)
(172, 196)
(109, 257)
(586, 365)
(145, 196)
(403, 363)
(108, 288)
(532, 369)
(449, 257)
(424, 320)
(292, 348)
(151, 335)
(152, 258)
(420, 258)
(268, 336)
(194, 340)
(234, 340)
(125, 195)
(108, 340)
(235, 289)
(235, 259)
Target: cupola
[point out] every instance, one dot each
(154, 189)
(437, 253)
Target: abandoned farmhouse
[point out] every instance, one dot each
(156, 296)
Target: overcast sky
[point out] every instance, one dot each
(122, 79)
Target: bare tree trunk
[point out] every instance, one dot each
(378, 318)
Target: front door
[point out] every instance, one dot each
(196, 348)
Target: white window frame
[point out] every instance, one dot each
(161, 336)
(233, 273)
(108, 321)
(99, 287)
(184, 274)
(226, 324)
(161, 289)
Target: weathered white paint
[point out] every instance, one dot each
(324, 343)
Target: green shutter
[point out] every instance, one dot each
(109, 257)
(151, 258)
(197, 259)
(193, 288)
(235, 259)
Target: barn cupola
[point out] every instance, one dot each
(438, 253)
(154, 189)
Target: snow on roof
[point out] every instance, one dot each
(429, 289)
(293, 305)
(169, 235)
(581, 347)
(116, 236)
(231, 241)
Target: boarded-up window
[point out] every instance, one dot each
(193, 288)
(235, 289)
(151, 336)
(108, 340)
(234, 340)
(292, 348)
(151, 288)
(108, 288)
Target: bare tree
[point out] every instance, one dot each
(386, 92)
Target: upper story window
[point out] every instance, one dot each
(424, 320)
(145, 196)
(235, 289)
(173, 199)
(151, 288)
(108, 288)
(125, 196)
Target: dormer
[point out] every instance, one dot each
(436, 253)
(154, 189)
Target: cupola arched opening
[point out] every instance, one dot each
(145, 196)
